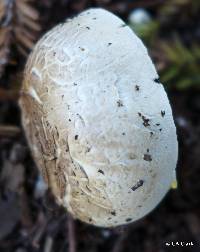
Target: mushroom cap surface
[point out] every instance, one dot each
(98, 121)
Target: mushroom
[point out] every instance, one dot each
(98, 121)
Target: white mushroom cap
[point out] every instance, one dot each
(98, 121)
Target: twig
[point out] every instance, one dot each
(9, 11)
(40, 230)
(71, 234)
(48, 244)
(9, 131)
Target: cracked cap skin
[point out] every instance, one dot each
(98, 121)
